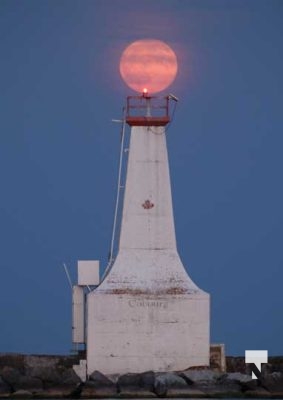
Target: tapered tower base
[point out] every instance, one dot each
(153, 319)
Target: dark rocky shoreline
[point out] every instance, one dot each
(40, 376)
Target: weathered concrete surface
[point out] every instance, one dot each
(53, 377)
(147, 293)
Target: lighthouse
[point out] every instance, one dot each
(147, 313)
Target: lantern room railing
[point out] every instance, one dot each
(147, 110)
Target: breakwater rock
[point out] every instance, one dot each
(27, 376)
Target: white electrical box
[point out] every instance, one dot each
(88, 273)
(78, 326)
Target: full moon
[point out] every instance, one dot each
(148, 64)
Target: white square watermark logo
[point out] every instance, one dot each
(256, 358)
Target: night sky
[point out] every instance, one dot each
(60, 88)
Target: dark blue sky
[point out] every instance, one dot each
(60, 88)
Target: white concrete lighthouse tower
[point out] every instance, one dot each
(147, 314)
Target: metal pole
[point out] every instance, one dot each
(68, 275)
(117, 196)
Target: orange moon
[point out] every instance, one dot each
(148, 64)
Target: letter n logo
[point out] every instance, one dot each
(256, 358)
